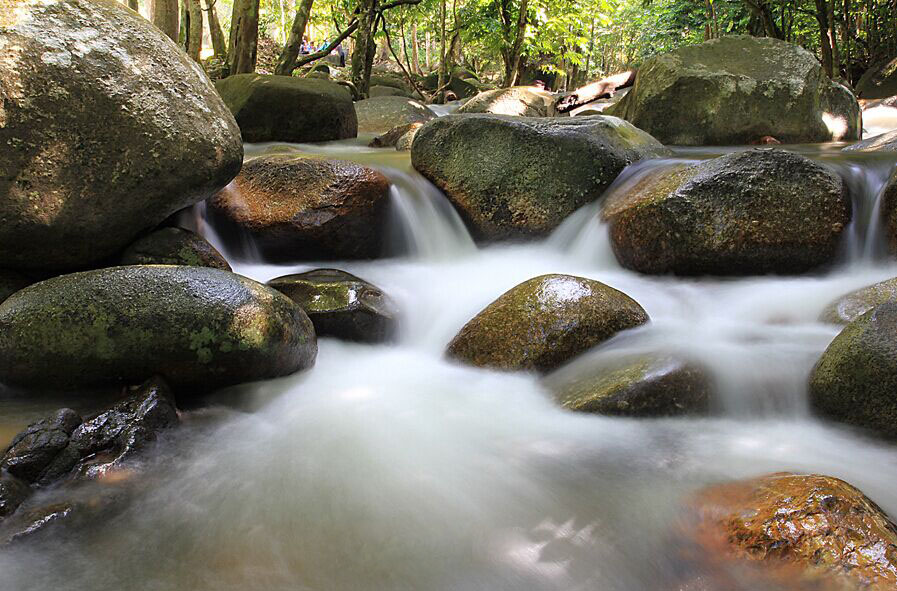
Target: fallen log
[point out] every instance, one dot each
(604, 88)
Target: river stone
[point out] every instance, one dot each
(106, 129)
(400, 137)
(382, 113)
(543, 323)
(174, 246)
(647, 386)
(462, 88)
(752, 212)
(807, 531)
(736, 90)
(376, 91)
(519, 177)
(11, 282)
(851, 306)
(272, 108)
(200, 328)
(13, 493)
(879, 81)
(519, 100)
(305, 208)
(34, 449)
(855, 380)
(341, 305)
(885, 142)
(889, 212)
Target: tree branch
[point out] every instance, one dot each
(326, 51)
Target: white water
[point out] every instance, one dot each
(387, 468)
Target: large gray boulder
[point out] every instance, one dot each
(519, 100)
(736, 90)
(382, 113)
(518, 177)
(200, 328)
(106, 129)
(272, 108)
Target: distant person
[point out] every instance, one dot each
(323, 45)
(305, 47)
(341, 51)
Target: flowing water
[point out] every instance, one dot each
(389, 468)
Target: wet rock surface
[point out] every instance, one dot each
(174, 246)
(885, 142)
(522, 101)
(380, 114)
(851, 306)
(399, 137)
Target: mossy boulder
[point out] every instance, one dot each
(390, 79)
(376, 91)
(382, 113)
(543, 323)
(519, 100)
(272, 108)
(644, 386)
(200, 328)
(885, 142)
(106, 129)
(519, 177)
(461, 87)
(879, 81)
(855, 380)
(851, 306)
(791, 531)
(11, 282)
(736, 90)
(341, 305)
(752, 212)
(174, 246)
(305, 208)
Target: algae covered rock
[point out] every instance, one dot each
(523, 101)
(341, 305)
(400, 137)
(283, 108)
(735, 90)
(174, 246)
(751, 212)
(855, 380)
(851, 306)
(382, 113)
(106, 129)
(200, 328)
(543, 323)
(519, 177)
(304, 208)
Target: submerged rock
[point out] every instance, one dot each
(107, 129)
(340, 304)
(855, 380)
(200, 328)
(543, 323)
(801, 529)
(849, 307)
(516, 177)
(734, 90)
(648, 386)
(382, 113)
(759, 211)
(174, 246)
(523, 101)
(305, 208)
(283, 108)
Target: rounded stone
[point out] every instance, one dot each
(174, 246)
(849, 307)
(382, 113)
(519, 100)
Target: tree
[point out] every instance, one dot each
(191, 28)
(287, 61)
(244, 31)
(219, 45)
(165, 16)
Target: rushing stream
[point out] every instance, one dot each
(388, 468)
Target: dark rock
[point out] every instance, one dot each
(34, 449)
(879, 81)
(382, 113)
(174, 246)
(522, 101)
(341, 305)
(400, 137)
(13, 493)
(889, 212)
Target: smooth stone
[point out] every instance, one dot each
(382, 113)
(174, 246)
(522, 101)
(851, 306)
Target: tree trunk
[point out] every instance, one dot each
(244, 35)
(194, 29)
(428, 50)
(512, 69)
(219, 45)
(833, 39)
(824, 41)
(133, 5)
(287, 61)
(365, 48)
(415, 62)
(165, 16)
(442, 65)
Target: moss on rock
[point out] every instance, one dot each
(174, 246)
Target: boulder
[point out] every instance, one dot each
(287, 109)
(389, 79)
(304, 208)
(376, 91)
(13, 493)
(11, 282)
(524, 101)
(200, 328)
(515, 177)
(645, 386)
(879, 81)
(758, 211)
(799, 531)
(461, 87)
(400, 137)
(855, 380)
(34, 449)
(851, 306)
(382, 113)
(543, 323)
(174, 246)
(888, 212)
(106, 129)
(885, 142)
(341, 305)
(734, 90)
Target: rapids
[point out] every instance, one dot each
(387, 468)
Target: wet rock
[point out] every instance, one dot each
(13, 493)
(376, 91)
(35, 448)
(885, 142)
(341, 305)
(849, 307)
(759, 211)
(385, 78)
(304, 208)
(648, 386)
(516, 177)
(855, 380)
(736, 89)
(174, 246)
(889, 212)
(400, 137)
(283, 108)
(543, 323)
(200, 328)
(382, 113)
(879, 81)
(459, 86)
(806, 531)
(108, 128)
(11, 282)
(523, 101)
